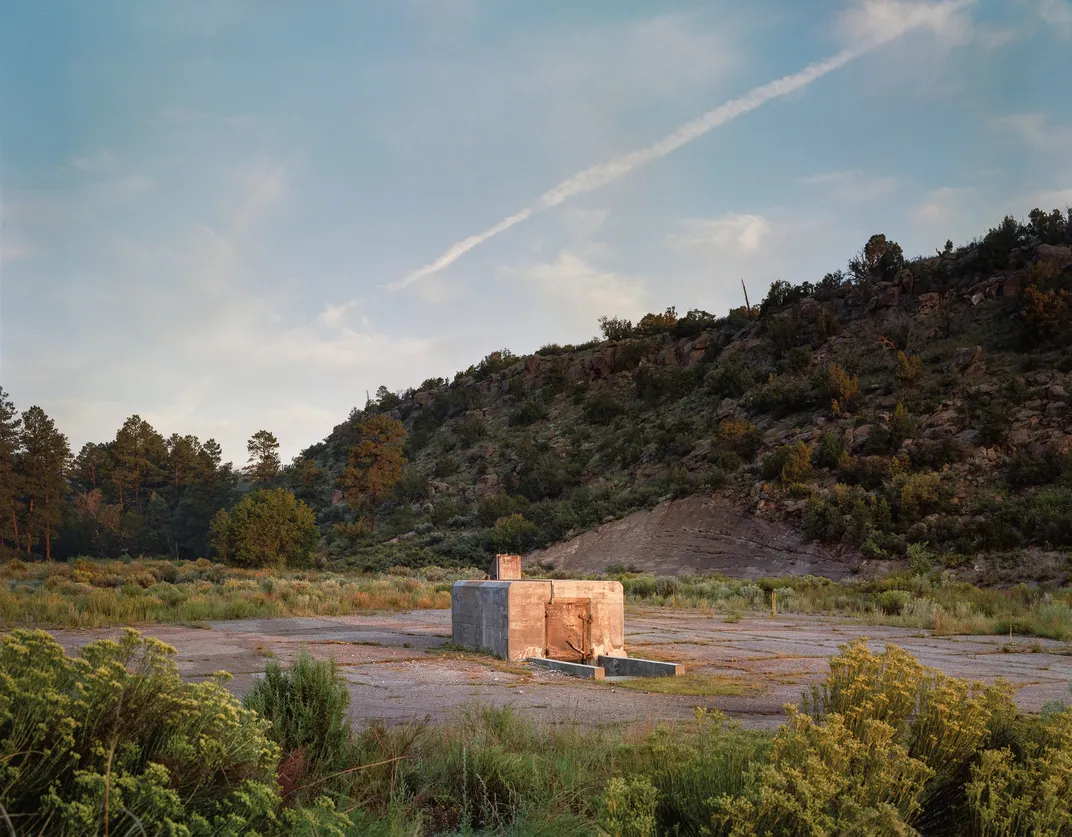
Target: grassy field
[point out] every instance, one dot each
(926, 601)
(89, 593)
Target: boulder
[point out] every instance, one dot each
(968, 437)
(1056, 254)
(966, 357)
(929, 303)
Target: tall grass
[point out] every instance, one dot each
(899, 599)
(90, 594)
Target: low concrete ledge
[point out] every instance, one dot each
(573, 669)
(632, 667)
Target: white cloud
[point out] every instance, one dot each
(941, 205)
(1037, 131)
(131, 186)
(13, 246)
(580, 291)
(607, 68)
(1056, 13)
(335, 316)
(851, 186)
(101, 161)
(581, 224)
(740, 233)
(262, 186)
(868, 20)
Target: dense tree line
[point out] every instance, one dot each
(144, 493)
(138, 493)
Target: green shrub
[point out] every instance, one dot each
(515, 533)
(690, 769)
(602, 408)
(1028, 468)
(830, 450)
(493, 506)
(627, 808)
(656, 323)
(470, 430)
(306, 706)
(267, 528)
(527, 412)
(731, 377)
(920, 559)
(908, 371)
(1026, 791)
(893, 602)
(114, 737)
(738, 436)
(614, 328)
(842, 388)
(902, 425)
(1046, 517)
(797, 466)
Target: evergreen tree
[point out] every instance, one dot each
(10, 446)
(375, 463)
(140, 456)
(44, 458)
(263, 464)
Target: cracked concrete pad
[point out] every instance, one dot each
(398, 671)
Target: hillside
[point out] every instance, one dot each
(896, 403)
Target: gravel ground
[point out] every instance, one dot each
(398, 670)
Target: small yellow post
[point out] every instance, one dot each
(773, 602)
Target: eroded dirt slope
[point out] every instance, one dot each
(695, 535)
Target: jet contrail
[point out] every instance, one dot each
(604, 173)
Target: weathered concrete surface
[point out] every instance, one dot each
(572, 669)
(635, 667)
(505, 567)
(695, 535)
(395, 673)
(507, 618)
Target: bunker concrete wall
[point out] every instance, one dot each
(608, 612)
(527, 631)
(506, 618)
(479, 615)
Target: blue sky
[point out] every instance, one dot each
(209, 208)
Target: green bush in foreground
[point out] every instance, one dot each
(113, 741)
(113, 738)
(306, 706)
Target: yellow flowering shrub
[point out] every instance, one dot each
(114, 740)
(1030, 792)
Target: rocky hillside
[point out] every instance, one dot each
(900, 407)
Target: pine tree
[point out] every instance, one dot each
(263, 464)
(140, 456)
(375, 463)
(10, 446)
(43, 462)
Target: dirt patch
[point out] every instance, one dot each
(695, 535)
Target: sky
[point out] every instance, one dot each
(229, 215)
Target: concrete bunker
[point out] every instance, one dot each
(567, 624)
